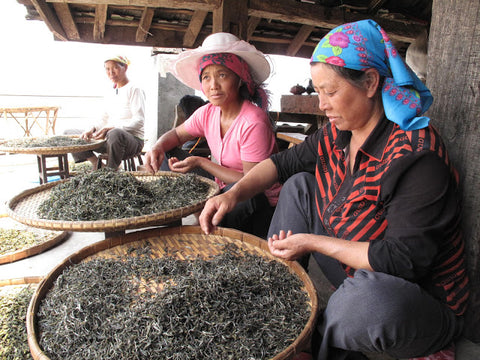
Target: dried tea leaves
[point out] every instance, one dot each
(12, 240)
(106, 194)
(14, 302)
(227, 307)
(45, 142)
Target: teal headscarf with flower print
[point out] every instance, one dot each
(364, 44)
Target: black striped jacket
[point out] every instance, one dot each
(401, 196)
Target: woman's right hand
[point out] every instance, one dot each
(153, 159)
(215, 209)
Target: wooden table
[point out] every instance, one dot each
(291, 138)
(43, 117)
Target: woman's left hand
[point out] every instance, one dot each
(183, 166)
(287, 246)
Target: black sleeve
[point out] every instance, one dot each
(301, 157)
(422, 209)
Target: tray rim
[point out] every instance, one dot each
(52, 150)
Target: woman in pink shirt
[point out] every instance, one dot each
(235, 124)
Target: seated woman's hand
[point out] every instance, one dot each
(287, 246)
(215, 209)
(153, 159)
(183, 166)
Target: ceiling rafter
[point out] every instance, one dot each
(100, 20)
(144, 24)
(50, 19)
(375, 5)
(194, 27)
(208, 5)
(299, 39)
(66, 19)
(253, 22)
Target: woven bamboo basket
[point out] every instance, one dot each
(53, 150)
(50, 239)
(53, 240)
(24, 207)
(14, 316)
(188, 240)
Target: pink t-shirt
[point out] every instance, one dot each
(250, 138)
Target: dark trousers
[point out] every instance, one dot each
(119, 145)
(371, 312)
(251, 216)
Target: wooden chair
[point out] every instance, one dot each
(129, 163)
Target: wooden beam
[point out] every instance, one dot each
(207, 5)
(291, 11)
(253, 22)
(144, 24)
(231, 17)
(66, 19)
(375, 5)
(100, 19)
(49, 18)
(299, 39)
(196, 23)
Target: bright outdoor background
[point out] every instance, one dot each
(36, 70)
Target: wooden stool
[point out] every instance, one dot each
(61, 170)
(128, 163)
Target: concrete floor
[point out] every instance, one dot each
(19, 172)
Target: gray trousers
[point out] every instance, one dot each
(119, 145)
(372, 312)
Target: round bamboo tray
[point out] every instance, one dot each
(188, 240)
(52, 238)
(24, 206)
(53, 150)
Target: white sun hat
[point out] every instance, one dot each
(185, 66)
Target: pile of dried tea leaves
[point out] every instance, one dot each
(232, 306)
(106, 194)
(52, 141)
(12, 240)
(14, 302)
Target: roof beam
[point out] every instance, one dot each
(291, 11)
(48, 16)
(194, 27)
(375, 5)
(208, 5)
(100, 20)
(296, 12)
(253, 22)
(66, 19)
(232, 17)
(144, 24)
(299, 39)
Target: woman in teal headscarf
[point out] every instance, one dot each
(373, 197)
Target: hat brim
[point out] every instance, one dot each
(185, 67)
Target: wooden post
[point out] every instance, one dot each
(232, 17)
(453, 75)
